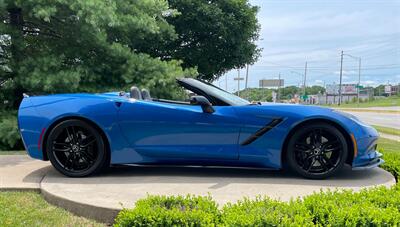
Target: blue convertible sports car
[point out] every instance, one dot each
(83, 133)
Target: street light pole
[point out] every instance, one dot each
(305, 78)
(238, 91)
(340, 80)
(359, 81)
(247, 75)
(279, 87)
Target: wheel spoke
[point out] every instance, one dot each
(60, 144)
(328, 161)
(311, 165)
(74, 136)
(68, 161)
(303, 147)
(69, 135)
(61, 150)
(329, 144)
(88, 156)
(87, 142)
(323, 164)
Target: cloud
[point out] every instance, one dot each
(369, 82)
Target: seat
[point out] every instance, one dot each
(135, 93)
(146, 95)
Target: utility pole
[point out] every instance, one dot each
(238, 82)
(305, 78)
(359, 81)
(247, 75)
(340, 80)
(279, 87)
(238, 78)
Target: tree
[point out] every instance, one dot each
(315, 90)
(51, 46)
(214, 35)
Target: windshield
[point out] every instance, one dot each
(216, 92)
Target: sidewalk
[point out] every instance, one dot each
(20, 172)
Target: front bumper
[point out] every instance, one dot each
(373, 160)
(368, 156)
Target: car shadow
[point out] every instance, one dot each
(218, 177)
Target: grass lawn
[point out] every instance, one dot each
(30, 209)
(12, 152)
(390, 101)
(387, 130)
(389, 146)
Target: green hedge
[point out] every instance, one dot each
(378, 206)
(265, 212)
(171, 211)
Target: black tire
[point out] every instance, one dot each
(317, 151)
(76, 149)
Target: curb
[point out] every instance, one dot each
(101, 214)
(13, 189)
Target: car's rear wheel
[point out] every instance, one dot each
(76, 149)
(317, 151)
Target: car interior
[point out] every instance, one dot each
(144, 94)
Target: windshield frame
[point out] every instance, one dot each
(216, 95)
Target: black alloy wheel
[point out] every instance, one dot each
(317, 151)
(76, 149)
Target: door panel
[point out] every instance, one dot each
(164, 130)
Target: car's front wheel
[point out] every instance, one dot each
(317, 151)
(76, 149)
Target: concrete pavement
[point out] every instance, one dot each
(101, 197)
(20, 172)
(391, 120)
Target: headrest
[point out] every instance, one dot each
(146, 94)
(135, 93)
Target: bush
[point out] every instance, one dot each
(170, 211)
(378, 206)
(265, 212)
(372, 207)
(9, 134)
(391, 155)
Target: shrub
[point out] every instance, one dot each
(265, 212)
(370, 207)
(171, 211)
(392, 162)
(9, 135)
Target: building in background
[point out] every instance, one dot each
(391, 90)
(349, 94)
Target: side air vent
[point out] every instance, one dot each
(262, 131)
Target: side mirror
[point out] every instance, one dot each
(203, 102)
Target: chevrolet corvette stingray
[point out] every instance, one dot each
(83, 133)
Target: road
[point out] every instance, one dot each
(391, 120)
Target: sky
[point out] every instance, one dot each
(295, 31)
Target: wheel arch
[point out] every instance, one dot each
(346, 134)
(86, 120)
